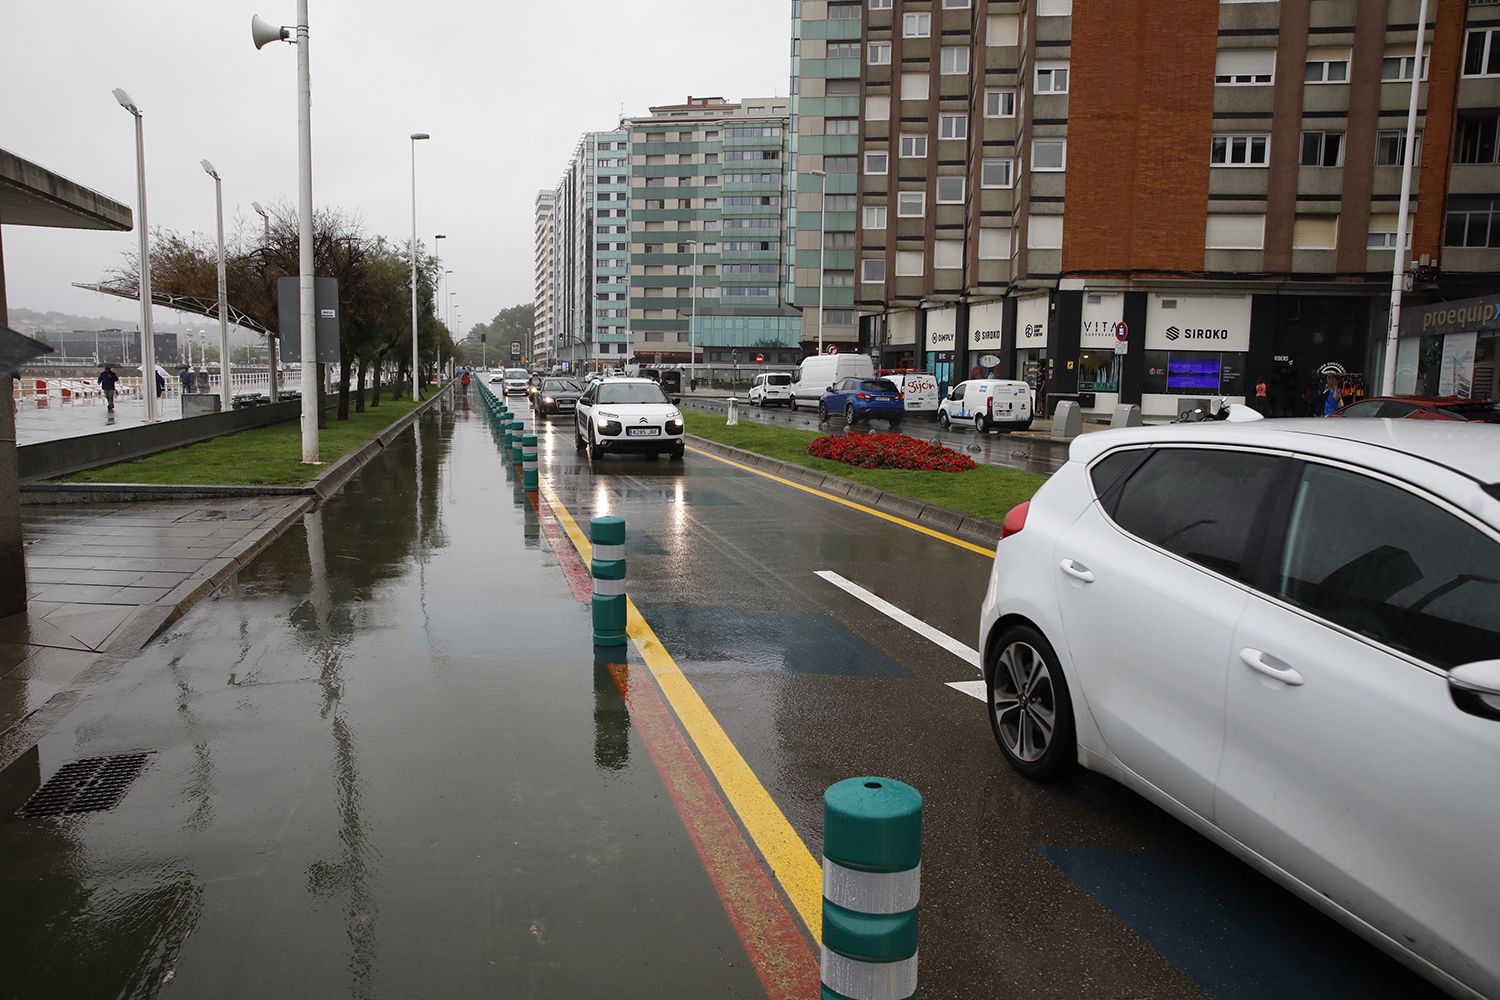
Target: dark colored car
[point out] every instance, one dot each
(556, 395)
(862, 398)
(1484, 411)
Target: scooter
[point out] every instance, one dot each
(1220, 408)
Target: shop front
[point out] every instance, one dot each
(900, 349)
(1099, 359)
(1033, 333)
(1450, 349)
(941, 343)
(986, 339)
(1196, 348)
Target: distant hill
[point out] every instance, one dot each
(29, 321)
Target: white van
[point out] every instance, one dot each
(819, 372)
(919, 391)
(987, 403)
(771, 389)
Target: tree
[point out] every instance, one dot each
(510, 324)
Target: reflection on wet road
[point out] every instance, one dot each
(384, 764)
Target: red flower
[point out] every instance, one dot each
(888, 451)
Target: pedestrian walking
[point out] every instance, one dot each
(1333, 400)
(465, 380)
(161, 384)
(107, 380)
(1262, 402)
(186, 377)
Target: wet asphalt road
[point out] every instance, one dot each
(383, 764)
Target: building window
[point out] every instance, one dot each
(916, 26)
(1002, 29)
(1396, 68)
(877, 163)
(843, 12)
(955, 60)
(994, 244)
(839, 203)
(956, 4)
(1322, 149)
(1390, 148)
(950, 190)
(880, 4)
(874, 217)
(1054, 8)
(913, 147)
(838, 317)
(841, 126)
(838, 279)
(878, 108)
(909, 264)
(838, 241)
(841, 164)
(999, 103)
(1315, 232)
(1235, 232)
(1245, 67)
(997, 173)
(880, 54)
(1250, 150)
(1327, 66)
(1382, 234)
(953, 126)
(915, 86)
(1044, 232)
(1049, 154)
(1052, 78)
(1482, 52)
(947, 255)
(1473, 221)
(1478, 137)
(872, 270)
(653, 336)
(842, 50)
(911, 204)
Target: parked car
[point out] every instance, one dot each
(919, 390)
(1486, 411)
(556, 396)
(1285, 634)
(862, 398)
(516, 380)
(987, 403)
(817, 373)
(771, 389)
(627, 414)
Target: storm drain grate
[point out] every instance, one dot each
(89, 785)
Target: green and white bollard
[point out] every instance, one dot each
(872, 874)
(528, 462)
(516, 429)
(505, 435)
(607, 536)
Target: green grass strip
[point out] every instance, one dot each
(263, 456)
(987, 491)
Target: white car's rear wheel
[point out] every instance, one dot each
(1031, 711)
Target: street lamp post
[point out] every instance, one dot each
(438, 301)
(275, 386)
(262, 34)
(822, 177)
(447, 312)
(693, 320)
(415, 383)
(1398, 270)
(226, 391)
(148, 344)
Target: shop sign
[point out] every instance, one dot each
(986, 326)
(942, 333)
(988, 361)
(1462, 316)
(1031, 322)
(1099, 321)
(1197, 322)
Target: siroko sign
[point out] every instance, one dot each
(1197, 322)
(986, 326)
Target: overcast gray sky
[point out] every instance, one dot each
(505, 87)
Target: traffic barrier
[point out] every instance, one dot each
(528, 462)
(872, 875)
(505, 441)
(607, 536)
(516, 427)
(733, 417)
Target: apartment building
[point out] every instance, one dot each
(707, 183)
(544, 301)
(1149, 200)
(591, 249)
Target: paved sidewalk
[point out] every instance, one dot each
(104, 579)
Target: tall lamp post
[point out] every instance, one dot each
(275, 386)
(438, 301)
(693, 320)
(148, 343)
(226, 391)
(1398, 270)
(262, 34)
(415, 138)
(822, 177)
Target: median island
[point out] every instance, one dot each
(986, 491)
(264, 456)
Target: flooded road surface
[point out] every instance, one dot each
(384, 764)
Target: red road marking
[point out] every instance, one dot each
(576, 573)
(781, 954)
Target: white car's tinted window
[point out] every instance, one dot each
(1376, 559)
(779, 380)
(1201, 504)
(631, 392)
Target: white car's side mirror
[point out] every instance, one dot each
(1475, 688)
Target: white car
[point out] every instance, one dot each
(919, 391)
(771, 389)
(987, 403)
(516, 381)
(627, 414)
(1287, 634)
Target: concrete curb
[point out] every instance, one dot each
(966, 526)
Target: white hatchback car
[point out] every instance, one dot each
(1287, 634)
(627, 414)
(772, 389)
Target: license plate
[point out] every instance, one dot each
(641, 432)
(565, 404)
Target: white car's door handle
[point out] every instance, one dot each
(1076, 570)
(1257, 661)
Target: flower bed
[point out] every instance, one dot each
(889, 451)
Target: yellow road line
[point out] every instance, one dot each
(914, 526)
(800, 874)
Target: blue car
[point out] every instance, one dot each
(862, 398)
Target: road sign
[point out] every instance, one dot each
(1122, 332)
(515, 348)
(760, 359)
(831, 349)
